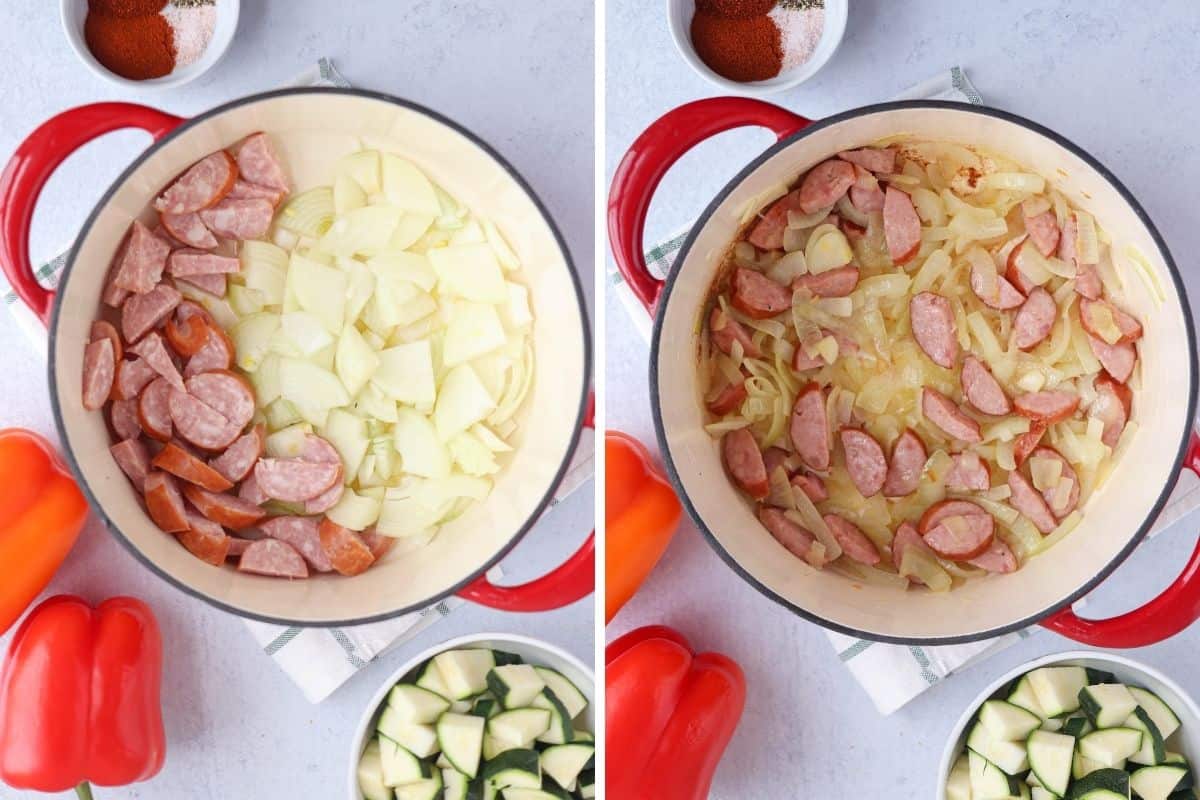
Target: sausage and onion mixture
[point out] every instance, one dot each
(917, 364)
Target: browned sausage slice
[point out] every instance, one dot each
(143, 312)
(982, 390)
(809, 428)
(202, 185)
(757, 296)
(187, 333)
(164, 502)
(154, 350)
(865, 461)
(1112, 407)
(189, 230)
(1042, 228)
(1024, 444)
(1063, 498)
(934, 328)
(907, 464)
(377, 542)
(1089, 311)
(1117, 359)
(225, 392)
(274, 559)
(303, 534)
(223, 508)
(838, 282)
(239, 458)
(1013, 271)
(901, 225)
(102, 329)
(205, 539)
(1002, 297)
(942, 412)
(960, 537)
(744, 462)
(154, 410)
(796, 539)
(728, 399)
(726, 330)
(123, 414)
(293, 480)
(190, 263)
(99, 372)
(141, 266)
(1035, 320)
(968, 473)
(258, 162)
(875, 159)
(1047, 407)
(824, 184)
(182, 464)
(853, 541)
(345, 549)
(239, 219)
(767, 233)
(946, 508)
(1027, 500)
(134, 460)
(200, 424)
(997, 558)
(811, 485)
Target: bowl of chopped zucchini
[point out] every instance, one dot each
(1079, 725)
(487, 717)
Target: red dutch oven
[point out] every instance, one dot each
(1115, 518)
(313, 128)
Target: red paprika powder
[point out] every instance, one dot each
(130, 37)
(741, 49)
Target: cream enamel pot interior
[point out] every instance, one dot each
(1115, 518)
(313, 129)
(1187, 739)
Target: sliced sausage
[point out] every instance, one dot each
(907, 464)
(942, 412)
(901, 225)
(982, 390)
(188, 263)
(123, 414)
(239, 458)
(227, 393)
(796, 539)
(853, 541)
(1112, 406)
(725, 330)
(303, 534)
(153, 349)
(998, 558)
(202, 185)
(345, 549)
(318, 450)
(133, 459)
(865, 461)
(812, 486)
(1047, 407)
(238, 546)
(216, 354)
(244, 190)
(142, 313)
(1035, 320)
(215, 285)
(205, 539)
(875, 159)
(946, 508)
(906, 536)
(809, 428)
(102, 329)
(223, 508)
(744, 462)
(867, 199)
(200, 424)
(1025, 444)
(1117, 359)
(154, 410)
(968, 473)
(99, 372)
(258, 162)
(774, 458)
(824, 185)
(182, 464)
(189, 230)
(132, 377)
(250, 490)
(1087, 277)
(1002, 297)
(1063, 498)
(113, 295)
(934, 328)
(838, 282)
(187, 333)
(274, 559)
(961, 537)
(1013, 272)
(767, 233)
(377, 542)
(1029, 501)
(293, 480)
(728, 399)
(164, 502)
(1130, 329)
(1043, 231)
(327, 499)
(757, 296)
(145, 256)
(240, 219)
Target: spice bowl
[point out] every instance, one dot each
(74, 14)
(680, 14)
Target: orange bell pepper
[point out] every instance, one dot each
(669, 715)
(641, 513)
(42, 512)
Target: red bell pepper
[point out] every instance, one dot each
(79, 697)
(669, 715)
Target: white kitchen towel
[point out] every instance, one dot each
(319, 660)
(892, 675)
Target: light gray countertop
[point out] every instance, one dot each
(1119, 82)
(520, 75)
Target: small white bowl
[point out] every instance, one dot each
(679, 17)
(1127, 671)
(534, 651)
(74, 12)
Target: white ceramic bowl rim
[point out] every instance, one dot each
(200, 119)
(1180, 448)
(953, 744)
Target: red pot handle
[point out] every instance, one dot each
(573, 580)
(32, 165)
(653, 153)
(1163, 617)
